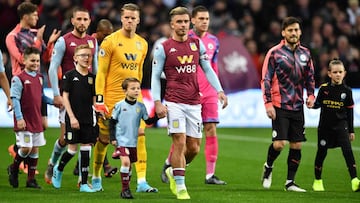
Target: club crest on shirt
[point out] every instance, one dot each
(210, 46)
(343, 96)
(102, 52)
(90, 80)
(303, 59)
(193, 46)
(137, 110)
(91, 44)
(41, 81)
(138, 45)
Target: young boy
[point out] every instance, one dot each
(80, 122)
(336, 125)
(27, 94)
(124, 125)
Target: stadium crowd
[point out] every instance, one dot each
(331, 28)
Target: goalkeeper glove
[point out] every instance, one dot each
(100, 106)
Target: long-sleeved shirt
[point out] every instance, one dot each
(120, 57)
(211, 43)
(337, 106)
(19, 39)
(285, 74)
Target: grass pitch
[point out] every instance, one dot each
(242, 152)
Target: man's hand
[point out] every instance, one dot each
(223, 99)
(160, 109)
(270, 112)
(40, 33)
(54, 36)
(100, 106)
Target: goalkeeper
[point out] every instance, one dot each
(121, 56)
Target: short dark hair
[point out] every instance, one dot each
(289, 21)
(26, 8)
(79, 9)
(130, 7)
(126, 82)
(198, 9)
(104, 24)
(179, 11)
(31, 50)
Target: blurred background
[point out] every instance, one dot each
(246, 30)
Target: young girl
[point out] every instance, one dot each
(336, 125)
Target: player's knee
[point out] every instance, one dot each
(210, 129)
(25, 151)
(193, 148)
(279, 145)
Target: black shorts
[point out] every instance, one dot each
(87, 134)
(332, 137)
(288, 125)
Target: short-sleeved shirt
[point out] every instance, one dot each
(81, 89)
(128, 117)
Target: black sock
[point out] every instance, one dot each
(319, 160)
(84, 163)
(293, 163)
(65, 158)
(16, 148)
(350, 161)
(272, 155)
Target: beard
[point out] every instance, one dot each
(292, 40)
(80, 29)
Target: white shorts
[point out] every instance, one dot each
(29, 139)
(62, 113)
(184, 118)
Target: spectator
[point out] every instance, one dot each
(353, 11)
